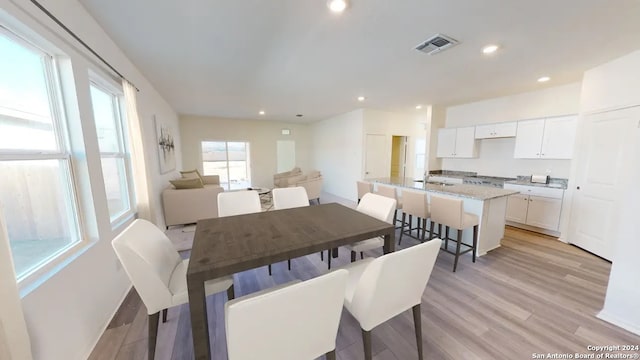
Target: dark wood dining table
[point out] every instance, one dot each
(228, 245)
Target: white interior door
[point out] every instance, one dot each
(376, 164)
(604, 162)
(286, 154)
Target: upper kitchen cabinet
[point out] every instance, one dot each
(550, 138)
(457, 143)
(499, 130)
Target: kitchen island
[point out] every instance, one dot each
(488, 203)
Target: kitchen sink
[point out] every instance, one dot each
(439, 183)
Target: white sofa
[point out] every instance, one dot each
(312, 182)
(186, 206)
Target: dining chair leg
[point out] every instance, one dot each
(329, 259)
(361, 255)
(289, 264)
(402, 228)
(353, 256)
(455, 261)
(269, 270)
(322, 255)
(331, 355)
(231, 293)
(164, 315)
(153, 334)
(366, 341)
(417, 321)
(475, 242)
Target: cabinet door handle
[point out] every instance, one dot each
(578, 188)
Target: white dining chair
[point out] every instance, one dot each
(381, 288)
(293, 322)
(290, 197)
(379, 207)
(241, 202)
(158, 273)
(287, 198)
(231, 203)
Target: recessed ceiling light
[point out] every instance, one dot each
(337, 6)
(361, 98)
(418, 107)
(261, 112)
(489, 49)
(544, 79)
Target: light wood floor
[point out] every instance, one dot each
(532, 295)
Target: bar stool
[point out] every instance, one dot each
(391, 192)
(450, 213)
(363, 188)
(414, 204)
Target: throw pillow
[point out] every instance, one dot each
(191, 174)
(194, 183)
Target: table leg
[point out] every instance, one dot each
(199, 324)
(389, 243)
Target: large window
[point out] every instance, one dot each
(229, 160)
(37, 193)
(114, 157)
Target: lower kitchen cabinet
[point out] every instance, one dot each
(535, 206)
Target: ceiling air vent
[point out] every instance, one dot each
(436, 43)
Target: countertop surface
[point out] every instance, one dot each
(553, 183)
(462, 190)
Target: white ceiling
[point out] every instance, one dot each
(234, 58)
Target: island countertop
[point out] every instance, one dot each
(462, 190)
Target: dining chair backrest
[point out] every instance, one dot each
(447, 211)
(393, 283)
(388, 191)
(363, 188)
(295, 322)
(149, 259)
(232, 203)
(290, 197)
(415, 203)
(377, 206)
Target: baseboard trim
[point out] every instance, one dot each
(612, 319)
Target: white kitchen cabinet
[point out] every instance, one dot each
(456, 143)
(498, 130)
(517, 206)
(535, 206)
(550, 138)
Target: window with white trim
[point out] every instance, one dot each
(114, 156)
(229, 160)
(37, 191)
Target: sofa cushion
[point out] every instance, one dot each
(295, 179)
(188, 183)
(191, 174)
(313, 174)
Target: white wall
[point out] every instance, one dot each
(262, 136)
(411, 125)
(611, 86)
(495, 156)
(337, 148)
(67, 313)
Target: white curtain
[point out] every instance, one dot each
(14, 338)
(138, 162)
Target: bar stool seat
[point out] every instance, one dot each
(415, 204)
(450, 213)
(391, 192)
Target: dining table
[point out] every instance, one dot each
(228, 245)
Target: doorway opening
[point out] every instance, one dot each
(398, 156)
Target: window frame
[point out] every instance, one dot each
(119, 110)
(226, 146)
(30, 279)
